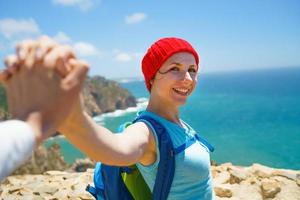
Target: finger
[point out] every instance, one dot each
(58, 57)
(26, 53)
(76, 77)
(11, 63)
(44, 45)
(65, 54)
(23, 48)
(12, 90)
(4, 76)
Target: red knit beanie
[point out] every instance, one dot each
(159, 52)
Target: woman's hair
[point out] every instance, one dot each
(159, 52)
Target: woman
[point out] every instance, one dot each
(170, 69)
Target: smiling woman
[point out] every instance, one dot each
(170, 69)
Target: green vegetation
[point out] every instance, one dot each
(3, 103)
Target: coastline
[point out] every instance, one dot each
(255, 182)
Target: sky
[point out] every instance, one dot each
(114, 35)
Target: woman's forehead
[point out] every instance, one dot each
(181, 58)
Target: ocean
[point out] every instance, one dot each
(248, 116)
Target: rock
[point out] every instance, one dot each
(289, 190)
(102, 95)
(25, 191)
(237, 175)
(251, 180)
(221, 178)
(63, 185)
(14, 189)
(81, 165)
(61, 194)
(261, 171)
(290, 174)
(270, 188)
(46, 189)
(55, 173)
(90, 170)
(43, 159)
(223, 191)
(225, 166)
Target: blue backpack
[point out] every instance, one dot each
(127, 183)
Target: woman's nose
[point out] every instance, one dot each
(187, 76)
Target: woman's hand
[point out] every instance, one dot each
(43, 81)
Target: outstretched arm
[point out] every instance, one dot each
(134, 145)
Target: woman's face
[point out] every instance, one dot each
(176, 79)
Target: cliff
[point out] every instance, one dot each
(256, 182)
(100, 96)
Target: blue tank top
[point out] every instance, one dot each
(192, 178)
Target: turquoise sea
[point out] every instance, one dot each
(249, 116)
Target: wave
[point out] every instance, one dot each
(141, 105)
(128, 80)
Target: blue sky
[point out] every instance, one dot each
(113, 35)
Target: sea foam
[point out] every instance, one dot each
(141, 104)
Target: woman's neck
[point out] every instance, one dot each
(165, 110)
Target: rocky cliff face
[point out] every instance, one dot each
(100, 96)
(256, 182)
(43, 160)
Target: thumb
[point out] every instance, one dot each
(76, 76)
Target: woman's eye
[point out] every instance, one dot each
(192, 70)
(174, 69)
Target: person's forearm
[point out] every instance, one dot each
(94, 140)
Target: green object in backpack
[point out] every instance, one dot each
(136, 184)
(134, 180)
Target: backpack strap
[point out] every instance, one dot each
(191, 141)
(114, 187)
(98, 190)
(205, 143)
(166, 166)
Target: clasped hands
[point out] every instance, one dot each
(43, 81)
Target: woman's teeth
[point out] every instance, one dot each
(181, 91)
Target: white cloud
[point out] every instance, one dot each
(135, 18)
(83, 5)
(83, 49)
(11, 27)
(86, 49)
(123, 57)
(62, 38)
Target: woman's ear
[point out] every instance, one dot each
(151, 81)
